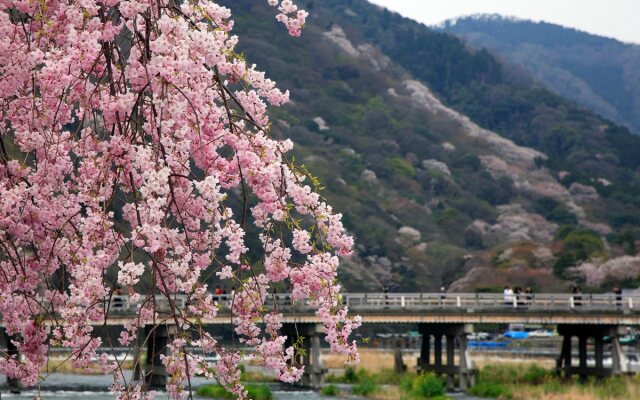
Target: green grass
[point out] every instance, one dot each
(424, 386)
(536, 375)
(497, 381)
(501, 382)
(330, 390)
(507, 374)
(366, 385)
(351, 375)
(615, 387)
(505, 382)
(256, 392)
(491, 389)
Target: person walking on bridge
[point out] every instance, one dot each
(508, 296)
(618, 292)
(577, 296)
(385, 290)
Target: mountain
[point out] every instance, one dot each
(449, 166)
(599, 73)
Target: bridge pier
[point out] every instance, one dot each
(137, 366)
(453, 333)
(155, 372)
(310, 333)
(583, 332)
(398, 363)
(13, 384)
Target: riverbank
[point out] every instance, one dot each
(516, 378)
(533, 382)
(497, 381)
(507, 376)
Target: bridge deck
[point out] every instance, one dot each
(472, 308)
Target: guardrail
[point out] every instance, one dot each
(398, 302)
(493, 301)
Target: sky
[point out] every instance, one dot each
(619, 19)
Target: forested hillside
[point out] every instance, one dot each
(450, 167)
(379, 113)
(599, 73)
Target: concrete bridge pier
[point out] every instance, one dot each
(137, 366)
(583, 332)
(13, 384)
(398, 364)
(453, 334)
(157, 340)
(309, 336)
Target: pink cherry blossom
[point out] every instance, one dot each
(134, 122)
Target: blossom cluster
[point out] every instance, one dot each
(598, 272)
(126, 127)
(290, 16)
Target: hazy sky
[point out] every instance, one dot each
(619, 19)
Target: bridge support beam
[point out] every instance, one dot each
(564, 365)
(157, 341)
(137, 366)
(455, 336)
(309, 337)
(13, 384)
(398, 363)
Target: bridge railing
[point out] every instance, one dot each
(480, 301)
(371, 302)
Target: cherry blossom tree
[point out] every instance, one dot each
(128, 127)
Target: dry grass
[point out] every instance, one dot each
(63, 366)
(373, 360)
(553, 388)
(480, 361)
(387, 393)
(376, 360)
(572, 394)
(576, 392)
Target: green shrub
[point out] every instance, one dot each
(350, 375)
(256, 392)
(491, 389)
(406, 384)
(401, 166)
(259, 392)
(424, 386)
(577, 245)
(468, 161)
(330, 390)
(367, 385)
(214, 391)
(507, 374)
(535, 375)
(554, 211)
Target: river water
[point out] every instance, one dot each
(92, 387)
(87, 395)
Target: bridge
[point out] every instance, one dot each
(469, 308)
(442, 319)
